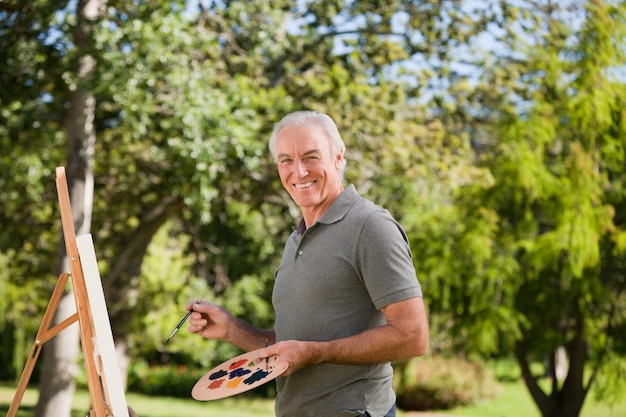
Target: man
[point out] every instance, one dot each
(346, 297)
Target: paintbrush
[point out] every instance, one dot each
(181, 323)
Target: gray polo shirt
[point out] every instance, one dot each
(333, 280)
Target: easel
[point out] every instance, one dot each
(95, 330)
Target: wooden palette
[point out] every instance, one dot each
(239, 374)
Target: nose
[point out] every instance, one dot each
(301, 169)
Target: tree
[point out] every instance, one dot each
(29, 229)
(208, 169)
(536, 261)
(184, 104)
(59, 356)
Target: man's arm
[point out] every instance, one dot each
(404, 336)
(213, 322)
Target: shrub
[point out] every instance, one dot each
(177, 381)
(169, 381)
(438, 383)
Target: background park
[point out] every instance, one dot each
(494, 131)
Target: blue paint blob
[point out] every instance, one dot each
(218, 374)
(238, 372)
(257, 376)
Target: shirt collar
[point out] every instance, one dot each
(336, 211)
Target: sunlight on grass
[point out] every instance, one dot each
(514, 401)
(144, 406)
(229, 407)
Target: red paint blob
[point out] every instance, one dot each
(215, 384)
(237, 364)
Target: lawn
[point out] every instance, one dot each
(514, 401)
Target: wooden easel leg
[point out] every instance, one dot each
(43, 335)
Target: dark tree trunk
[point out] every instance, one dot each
(568, 399)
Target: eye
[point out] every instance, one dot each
(284, 161)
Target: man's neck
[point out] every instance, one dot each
(313, 214)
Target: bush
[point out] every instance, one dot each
(175, 381)
(169, 381)
(438, 383)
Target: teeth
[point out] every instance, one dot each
(305, 185)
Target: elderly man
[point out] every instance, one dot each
(346, 296)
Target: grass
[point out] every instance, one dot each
(514, 401)
(144, 406)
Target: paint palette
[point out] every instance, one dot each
(237, 375)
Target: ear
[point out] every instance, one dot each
(339, 160)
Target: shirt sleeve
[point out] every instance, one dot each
(384, 261)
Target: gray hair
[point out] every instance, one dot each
(306, 118)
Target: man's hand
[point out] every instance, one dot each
(209, 320)
(296, 353)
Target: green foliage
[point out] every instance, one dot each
(159, 303)
(611, 380)
(541, 226)
(440, 383)
(164, 381)
(176, 381)
(509, 180)
(167, 283)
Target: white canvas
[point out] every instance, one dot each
(103, 341)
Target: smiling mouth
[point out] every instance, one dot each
(304, 185)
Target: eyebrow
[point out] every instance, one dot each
(311, 152)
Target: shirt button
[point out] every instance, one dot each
(300, 252)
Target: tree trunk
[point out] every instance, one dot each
(567, 400)
(56, 382)
(123, 358)
(56, 386)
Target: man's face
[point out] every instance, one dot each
(308, 170)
